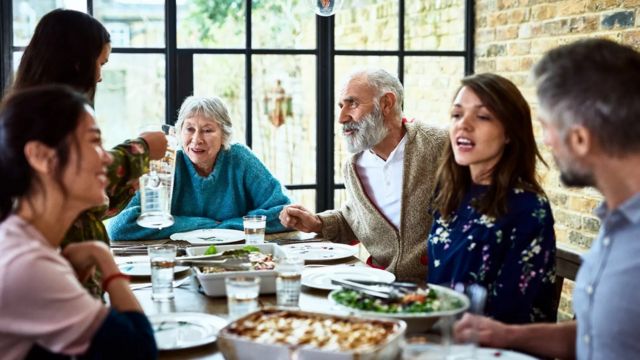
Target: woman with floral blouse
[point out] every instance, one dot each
(492, 224)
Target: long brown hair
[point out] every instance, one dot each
(63, 50)
(517, 165)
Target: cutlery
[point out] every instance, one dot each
(176, 283)
(230, 262)
(391, 294)
(396, 284)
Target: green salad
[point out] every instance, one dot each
(246, 250)
(420, 301)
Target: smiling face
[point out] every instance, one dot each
(85, 175)
(477, 137)
(360, 115)
(201, 141)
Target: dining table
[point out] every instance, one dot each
(189, 296)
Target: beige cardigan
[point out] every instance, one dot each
(402, 252)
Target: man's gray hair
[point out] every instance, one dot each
(594, 83)
(212, 108)
(383, 82)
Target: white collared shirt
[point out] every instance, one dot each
(382, 180)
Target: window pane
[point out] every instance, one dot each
(132, 23)
(205, 23)
(367, 25)
(344, 66)
(429, 86)
(434, 25)
(284, 115)
(306, 198)
(223, 76)
(339, 198)
(131, 95)
(287, 24)
(26, 15)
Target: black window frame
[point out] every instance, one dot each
(179, 75)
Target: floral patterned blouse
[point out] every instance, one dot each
(512, 256)
(130, 161)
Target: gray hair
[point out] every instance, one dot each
(211, 107)
(383, 82)
(594, 83)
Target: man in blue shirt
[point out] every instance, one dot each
(589, 95)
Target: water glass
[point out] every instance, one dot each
(288, 282)
(242, 294)
(254, 226)
(163, 260)
(156, 187)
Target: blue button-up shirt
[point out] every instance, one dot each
(606, 298)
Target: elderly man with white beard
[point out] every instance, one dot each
(389, 178)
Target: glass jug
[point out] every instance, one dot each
(156, 187)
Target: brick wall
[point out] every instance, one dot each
(511, 35)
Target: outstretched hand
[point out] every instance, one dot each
(299, 218)
(486, 331)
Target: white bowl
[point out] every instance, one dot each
(416, 322)
(237, 347)
(213, 283)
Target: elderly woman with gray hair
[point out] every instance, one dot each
(216, 182)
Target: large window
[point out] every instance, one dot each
(275, 63)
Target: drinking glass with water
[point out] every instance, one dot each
(163, 260)
(254, 227)
(288, 282)
(156, 187)
(242, 294)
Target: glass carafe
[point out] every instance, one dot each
(156, 187)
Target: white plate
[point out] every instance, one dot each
(185, 330)
(210, 236)
(144, 268)
(463, 352)
(320, 278)
(321, 251)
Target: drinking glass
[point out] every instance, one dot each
(254, 226)
(288, 282)
(242, 294)
(163, 260)
(156, 187)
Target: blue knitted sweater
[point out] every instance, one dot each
(239, 185)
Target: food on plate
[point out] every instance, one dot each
(211, 250)
(313, 330)
(420, 301)
(258, 260)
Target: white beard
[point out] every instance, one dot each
(368, 132)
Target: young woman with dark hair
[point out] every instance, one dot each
(493, 223)
(70, 47)
(53, 167)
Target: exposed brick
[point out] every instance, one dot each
(601, 5)
(543, 12)
(519, 48)
(485, 65)
(590, 224)
(524, 32)
(507, 32)
(506, 4)
(583, 24)
(620, 19)
(484, 36)
(518, 16)
(579, 239)
(496, 50)
(632, 38)
(571, 7)
(579, 202)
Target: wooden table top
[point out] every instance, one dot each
(189, 298)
